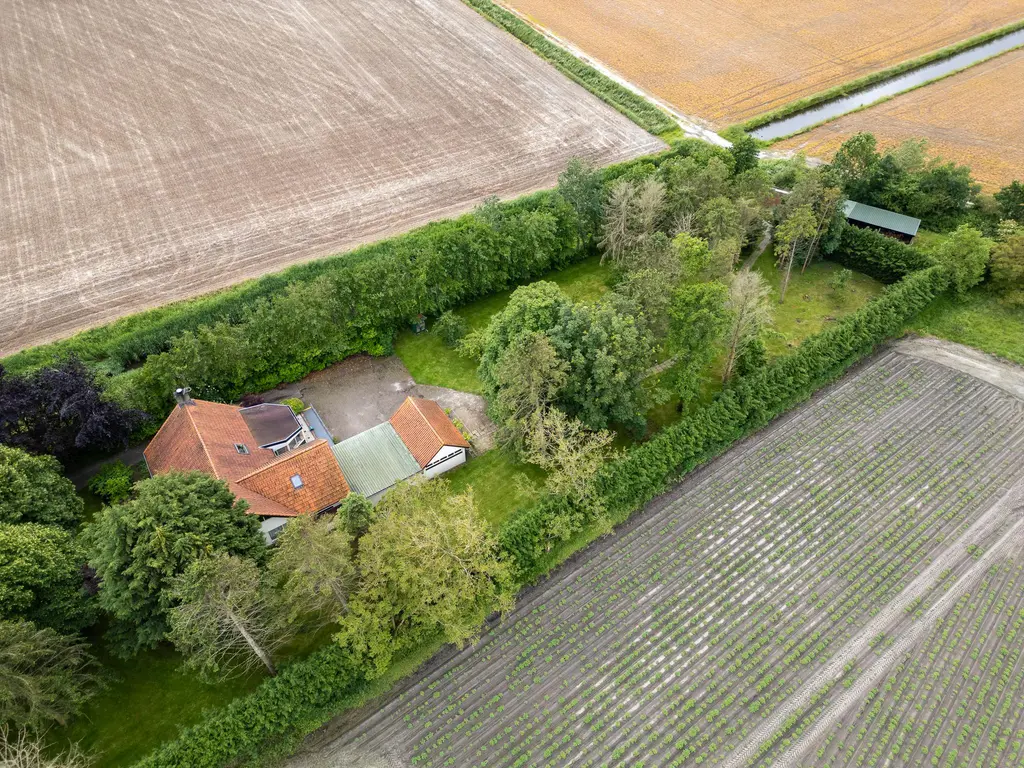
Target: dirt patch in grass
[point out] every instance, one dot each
(729, 61)
(158, 151)
(973, 118)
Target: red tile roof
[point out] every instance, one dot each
(425, 429)
(323, 484)
(202, 436)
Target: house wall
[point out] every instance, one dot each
(449, 457)
(271, 527)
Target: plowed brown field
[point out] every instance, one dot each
(730, 60)
(976, 118)
(151, 151)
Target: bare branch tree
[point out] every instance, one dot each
(19, 749)
(750, 312)
(226, 621)
(796, 231)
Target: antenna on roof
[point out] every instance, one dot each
(183, 396)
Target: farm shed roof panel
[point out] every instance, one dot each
(879, 217)
(375, 459)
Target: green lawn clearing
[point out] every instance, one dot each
(810, 302)
(149, 698)
(500, 484)
(433, 363)
(979, 321)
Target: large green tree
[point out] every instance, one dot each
(604, 348)
(965, 255)
(699, 320)
(313, 566)
(139, 547)
(45, 676)
(1011, 201)
(581, 186)
(33, 489)
(41, 578)
(429, 564)
(1008, 268)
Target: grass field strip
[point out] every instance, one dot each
(674, 643)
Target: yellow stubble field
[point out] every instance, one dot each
(975, 117)
(725, 61)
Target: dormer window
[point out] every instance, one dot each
(241, 449)
(296, 482)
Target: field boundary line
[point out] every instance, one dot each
(867, 81)
(1009, 505)
(691, 126)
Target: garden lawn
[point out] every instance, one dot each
(500, 484)
(433, 363)
(149, 698)
(979, 321)
(810, 303)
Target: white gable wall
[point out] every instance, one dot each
(449, 457)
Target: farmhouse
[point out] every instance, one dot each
(284, 464)
(418, 439)
(887, 222)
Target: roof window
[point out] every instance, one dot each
(296, 482)
(239, 448)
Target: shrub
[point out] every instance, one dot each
(451, 328)
(113, 483)
(838, 282)
(295, 404)
(883, 258)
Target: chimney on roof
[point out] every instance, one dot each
(183, 396)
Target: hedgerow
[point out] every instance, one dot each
(302, 696)
(351, 304)
(632, 105)
(883, 258)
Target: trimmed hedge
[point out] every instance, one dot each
(631, 104)
(744, 407)
(303, 694)
(353, 305)
(883, 258)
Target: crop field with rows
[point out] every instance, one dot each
(973, 118)
(726, 61)
(728, 620)
(956, 699)
(154, 151)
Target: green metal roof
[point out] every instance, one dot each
(879, 217)
(375, 459)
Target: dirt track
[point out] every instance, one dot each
(154, 151)
(729, 60)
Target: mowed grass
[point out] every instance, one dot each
(980, 321)
(500, 484)
(150, 697)
(433, 363)
(810, 303)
